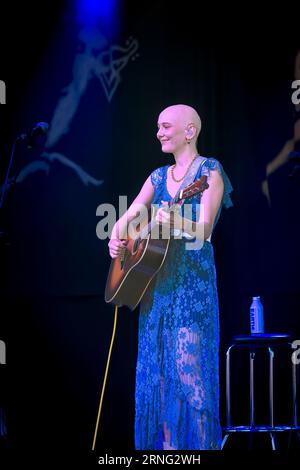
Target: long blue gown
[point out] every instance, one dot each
(177, 372)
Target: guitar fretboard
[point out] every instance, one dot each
(195, 188)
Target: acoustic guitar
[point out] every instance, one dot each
(131, 273)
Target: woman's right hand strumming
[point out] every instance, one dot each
(116, 247)
(144, 198)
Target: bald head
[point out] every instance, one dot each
(184, 115)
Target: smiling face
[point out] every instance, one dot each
(177, 125)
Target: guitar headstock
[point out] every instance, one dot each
(197, 187)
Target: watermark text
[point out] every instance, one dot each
(138, 222)
(296, 354)
(2, 92)
(2, 352)
(296, 94)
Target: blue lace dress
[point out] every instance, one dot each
(177, 373)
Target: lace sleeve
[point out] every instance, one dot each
(157, 177)
(213, 164)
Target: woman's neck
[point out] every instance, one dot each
(184, 158)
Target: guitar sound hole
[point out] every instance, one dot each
(136, 245)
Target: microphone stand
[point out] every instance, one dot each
(7, 188)
(9, 184)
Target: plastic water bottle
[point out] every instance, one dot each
(256, 316)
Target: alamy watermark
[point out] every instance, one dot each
(296, 354)
(2, 92)
(139, 226)
(296, 94)
(2, 352)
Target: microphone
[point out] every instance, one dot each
(40, 128)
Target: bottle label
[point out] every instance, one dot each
(256, 319)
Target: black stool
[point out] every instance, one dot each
(253, 342)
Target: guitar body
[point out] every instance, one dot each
(129, 278)
(130, 274)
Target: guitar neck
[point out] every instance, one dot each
(194, 188)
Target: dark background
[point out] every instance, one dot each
(237, 73)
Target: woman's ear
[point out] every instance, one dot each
(190, 131)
